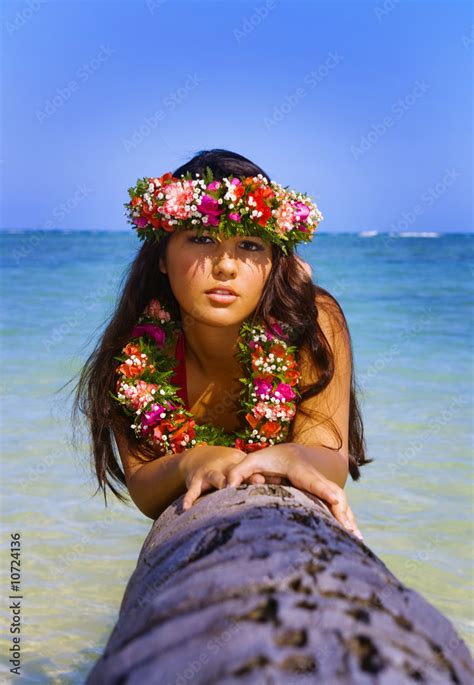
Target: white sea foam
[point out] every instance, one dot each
(415, 234)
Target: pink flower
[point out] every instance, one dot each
(284, 217)
(140, 221)
(302, 211)
(210, 208)
(259, 411)
(156, 311)
(275, 326)
(235, 217)
(236, 182)
(139, 394)
(277, 329)
(214, 185)
(155, 332)
(178, 195)
(152, 417)
(262, 387)
(285, 390)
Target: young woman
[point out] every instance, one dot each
(223, 362)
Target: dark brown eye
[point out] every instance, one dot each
(199, 238)
(252, 246)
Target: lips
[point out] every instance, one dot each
(222, 291)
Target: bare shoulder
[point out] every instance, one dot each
(332, 323)
(331, 319)
(334, 400)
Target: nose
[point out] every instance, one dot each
(225, 261)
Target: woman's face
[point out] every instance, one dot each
(196, 264)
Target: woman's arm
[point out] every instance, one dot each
(156, 484)
(153, 485)
(330, 462)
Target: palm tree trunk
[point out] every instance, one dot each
(260, 584)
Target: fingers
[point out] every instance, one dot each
(245, 469)
(192, 494)
(257, 479)
(302, 476)
(344, 515)
(330, 492)
(202, 484)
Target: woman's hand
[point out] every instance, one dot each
(205, 467)
(280, 461)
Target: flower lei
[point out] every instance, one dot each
(268, 396)
(233, 206)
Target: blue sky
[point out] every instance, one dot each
(366, 106)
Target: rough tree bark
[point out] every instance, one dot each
(260, 584)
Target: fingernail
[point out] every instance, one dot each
(358, 534)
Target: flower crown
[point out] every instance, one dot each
(249, 205)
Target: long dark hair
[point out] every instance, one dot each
(289, 295)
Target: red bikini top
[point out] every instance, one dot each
(179, 377)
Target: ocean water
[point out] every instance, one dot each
(408, 300)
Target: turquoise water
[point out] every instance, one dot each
(408, 301)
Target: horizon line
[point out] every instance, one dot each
(361, 232)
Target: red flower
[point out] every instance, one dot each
(278, 350)
(292, 376)
(167, 178)
(270, 428)
(252, 420)
(130, 349)
(238, 190)
(260, 195)
(255, 446)
(147, 211)
(156, 223)
(130, 370)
